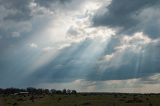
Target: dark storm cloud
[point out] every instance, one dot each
(16, 14)
(63, 5)
(48, 3)
(20, 9)
(125, 14)
(14, 20)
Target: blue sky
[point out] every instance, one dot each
(87, 45)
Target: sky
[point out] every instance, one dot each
(86, 45)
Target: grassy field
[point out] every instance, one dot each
(80, 100)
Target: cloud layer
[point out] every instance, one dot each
(130, 16)
(84, 45)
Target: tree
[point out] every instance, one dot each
(58, 92)
(53, 91)
(46, 91)
(68, 91)
(64, 91)
(74, 92)
(31, 90)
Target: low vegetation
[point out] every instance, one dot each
(45, 97)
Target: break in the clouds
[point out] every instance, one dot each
(87, 45)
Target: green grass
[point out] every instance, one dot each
(80, 100)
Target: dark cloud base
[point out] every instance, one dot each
(124, 14)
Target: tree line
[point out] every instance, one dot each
(31, 90)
